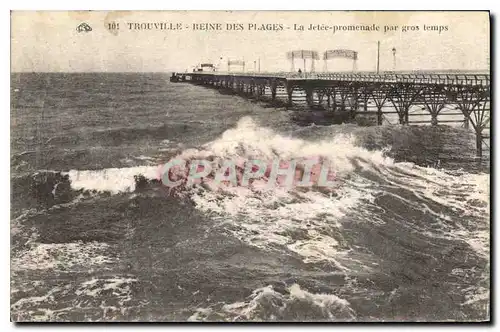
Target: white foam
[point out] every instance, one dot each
(322, 300)
(62, 256)
(267, 304)
(266, 218)
(309, 223)
(112, 180)
(249, 140)
(199, 315)
(282, 218)
(96, 286)
(145, 158)
(465, 194)
(108, 297)
(28, 308)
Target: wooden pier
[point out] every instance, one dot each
(368, 93)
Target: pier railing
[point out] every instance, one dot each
(468, 79)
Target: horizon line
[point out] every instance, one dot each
(250, 71)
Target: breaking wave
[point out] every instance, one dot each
(269, 304)
(309, 222)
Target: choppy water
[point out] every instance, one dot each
(404, 236)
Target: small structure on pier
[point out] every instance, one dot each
(340, 53)
(304, 55)
(238, 63)
(204, 67)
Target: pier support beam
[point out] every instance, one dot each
(289, 93)
(353, 97)
(321, 95)
(479, 142)
(433, 99)
(379, 99)
(402, 96)
(309, 96)
(331, 96)
(274, 87)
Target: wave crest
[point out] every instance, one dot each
(268, 304)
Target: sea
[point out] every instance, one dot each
(404, 236)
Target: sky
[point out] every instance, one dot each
(50, 42)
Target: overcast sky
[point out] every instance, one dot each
(49, 41)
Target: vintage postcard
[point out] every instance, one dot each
(250, 166)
